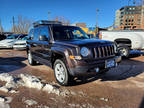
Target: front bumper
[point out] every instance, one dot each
(19, 47)
(6, 46)
(83, 67)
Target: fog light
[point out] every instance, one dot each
(97, 69)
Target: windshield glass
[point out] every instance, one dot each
(25, 38)
(12, 37)
(21, 37)
(68, 33)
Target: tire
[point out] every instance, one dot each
(124, 51)
(61, 73)
(30, 59)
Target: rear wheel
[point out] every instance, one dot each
(61, 73)
(30, 59)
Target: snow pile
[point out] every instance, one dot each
(41, 106)
(81, 106)
(51, 89)
(30, 102)
(31, 81)
(6, 77)
(4, 102)
(10, 84)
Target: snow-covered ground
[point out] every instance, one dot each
(4, 101)
(31, 82)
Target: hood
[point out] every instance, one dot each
(84, 42)
(6, 41)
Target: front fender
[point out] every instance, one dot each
(65, 53)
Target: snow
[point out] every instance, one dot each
(4, 102)
(31, 81)
(6, 77)
(30, 102)
(4, 89)
(51, 89)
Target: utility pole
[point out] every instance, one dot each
(97, 21)
(13, 23)
(49, 15)
(1, 29)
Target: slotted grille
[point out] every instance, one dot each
(103, 51)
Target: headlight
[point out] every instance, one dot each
(115, 48)
(84, 51)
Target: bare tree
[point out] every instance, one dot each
(1, 28)
(22, 26)
(62, 19)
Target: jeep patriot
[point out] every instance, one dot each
(69, 51)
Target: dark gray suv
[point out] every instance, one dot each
(69, 51)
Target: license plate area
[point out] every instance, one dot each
(110, 63)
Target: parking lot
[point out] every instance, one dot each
(121, 87)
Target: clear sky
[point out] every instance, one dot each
(74, 10)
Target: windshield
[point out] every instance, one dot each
(25, 38)
(12, 37)
(68, 33)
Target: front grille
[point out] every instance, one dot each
(103, 51)
(20, 44)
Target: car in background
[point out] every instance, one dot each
(2, 37)
(20, 44)
(10, 40)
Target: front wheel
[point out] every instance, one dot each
(61, 73)
(124, 51)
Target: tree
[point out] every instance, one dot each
(1, 28)
(22, 26)
(62, 19)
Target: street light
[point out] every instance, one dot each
(49, 15)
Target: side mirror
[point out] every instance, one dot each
(43, 38)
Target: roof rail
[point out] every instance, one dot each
(46, 22)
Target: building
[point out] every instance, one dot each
(81, 25)
(117, 18)
(129, 17)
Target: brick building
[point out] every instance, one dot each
(130, 17)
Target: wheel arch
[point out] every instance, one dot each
(123, 41)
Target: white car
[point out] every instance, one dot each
(20, 44)
(10, 40)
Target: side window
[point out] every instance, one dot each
(44, 31)
(36, 34)
(30, 35)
